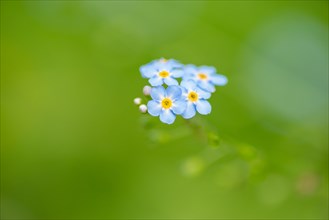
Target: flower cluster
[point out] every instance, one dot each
(169, 97)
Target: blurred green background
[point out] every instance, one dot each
(75, 146)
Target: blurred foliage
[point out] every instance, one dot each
(75, 146)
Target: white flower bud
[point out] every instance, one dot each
(138, 101)
(147, 90)
(143, 108)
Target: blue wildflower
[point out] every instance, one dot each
(162, 72)
(205, 77)
(195, 98)
(166, 103)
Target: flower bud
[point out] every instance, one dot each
(138, 101)
(147, 90)
(143, 108)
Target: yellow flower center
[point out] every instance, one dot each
(166, 103)
(193, 96)
(202, 76)
(163, 74)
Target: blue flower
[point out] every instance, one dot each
(195, 98)
(205, 77)
(166, 103)
(162, 71)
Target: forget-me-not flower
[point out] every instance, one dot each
(166, 103)
(162, 72)
(195, 98)
(205, 77)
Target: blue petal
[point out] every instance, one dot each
(184, 91)
(147, 71)
(168, 64)
(163, 66)
(189, 76)
(203, 107)
(179, 106)
(156, 81)
(190, 111)
(167, 116)
(207, 69)
(188, 84)
(157, 93)
(154, 108)
(170, 81)
(174, 92)
(207, 86)
(177, 73)
(190, 68)
(203, 94)
(219, 80)
(175, 63)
